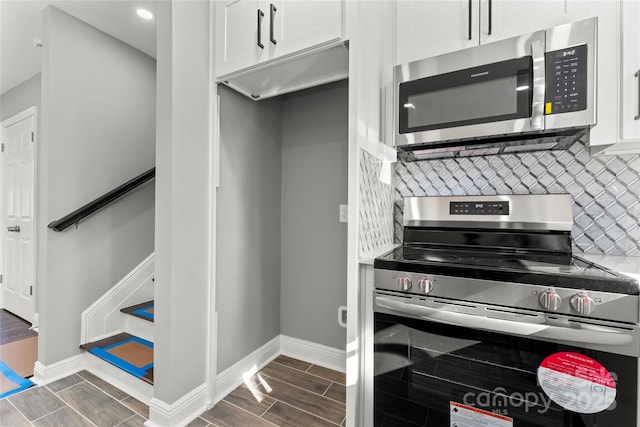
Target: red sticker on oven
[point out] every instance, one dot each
(577, 382)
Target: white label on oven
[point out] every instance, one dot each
(468, 416)
(577, 382)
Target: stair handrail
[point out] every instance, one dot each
(102, 201)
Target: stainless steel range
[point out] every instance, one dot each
(484, 317)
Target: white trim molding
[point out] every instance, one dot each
(45, 374)
(103, 317)
(232, 377)
(179, 413)
(311, 352)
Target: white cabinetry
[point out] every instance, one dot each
(617, 131)
(427, 28)
(630, 72)
(250, 32)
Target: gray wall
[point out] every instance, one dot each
(314, 242)
(248, 225)
(183, 192)
(98, 131)
(21, 97)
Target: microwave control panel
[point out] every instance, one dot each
(566, 80)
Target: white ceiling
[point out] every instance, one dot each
(21, 28)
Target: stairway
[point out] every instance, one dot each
(130, 351)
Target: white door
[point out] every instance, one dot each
(299, 25)
(237, 23)
(432, 27)
(18, 185)
(509, 18)
(630, 78)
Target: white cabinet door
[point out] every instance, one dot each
(428, 28)
(299, 25)
(500, 19)
(630, 76)
(237, 35)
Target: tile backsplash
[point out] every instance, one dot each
(605, 190)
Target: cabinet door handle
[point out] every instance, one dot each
(272, 15)
(637, 74)
(260, 16)
(470, 17)
(490, 17)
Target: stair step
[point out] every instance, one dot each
(127, 352)
(143, 310)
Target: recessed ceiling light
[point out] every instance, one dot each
(144, 14)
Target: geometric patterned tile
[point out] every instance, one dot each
(605, 190)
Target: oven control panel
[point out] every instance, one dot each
(479, 208)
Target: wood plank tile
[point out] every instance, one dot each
(330, 374)
(10, 416)
(47, 402)
(292, 363)
(63, 417)
(253, 400)
(225, 414)
(198, 422)
(136, 406)
(297, 378)
(135, 421)
(337, 392)
(307, 401)
(115, 392)
(285, 415)
(100, 408)
(13, 328)
(65, 382)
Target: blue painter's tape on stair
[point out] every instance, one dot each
(144, 312)
(21, 383)
(103, 353)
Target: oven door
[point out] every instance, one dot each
(434, 374)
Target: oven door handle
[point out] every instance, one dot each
(591, 334)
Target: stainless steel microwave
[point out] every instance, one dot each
(537, 83)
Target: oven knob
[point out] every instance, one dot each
(425, 285)
(550, 300)
(582, 303)
(404, 283)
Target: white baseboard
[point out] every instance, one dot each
(179, 413)
(311, 352)
(45, 374)
(229, 379)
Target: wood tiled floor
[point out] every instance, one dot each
(287, 392)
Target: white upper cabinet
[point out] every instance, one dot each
(237, 35)
(428, 28)
(250, 32)
(617, 131)
(298, 25)
(630, 72)
(501, 19)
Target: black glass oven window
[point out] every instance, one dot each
(489, 93)
(421, 367)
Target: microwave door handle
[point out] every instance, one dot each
(600, 335)
(537, 101)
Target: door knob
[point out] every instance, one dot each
(14, 228)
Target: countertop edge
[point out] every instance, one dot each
(628, 265)
(367, 259)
